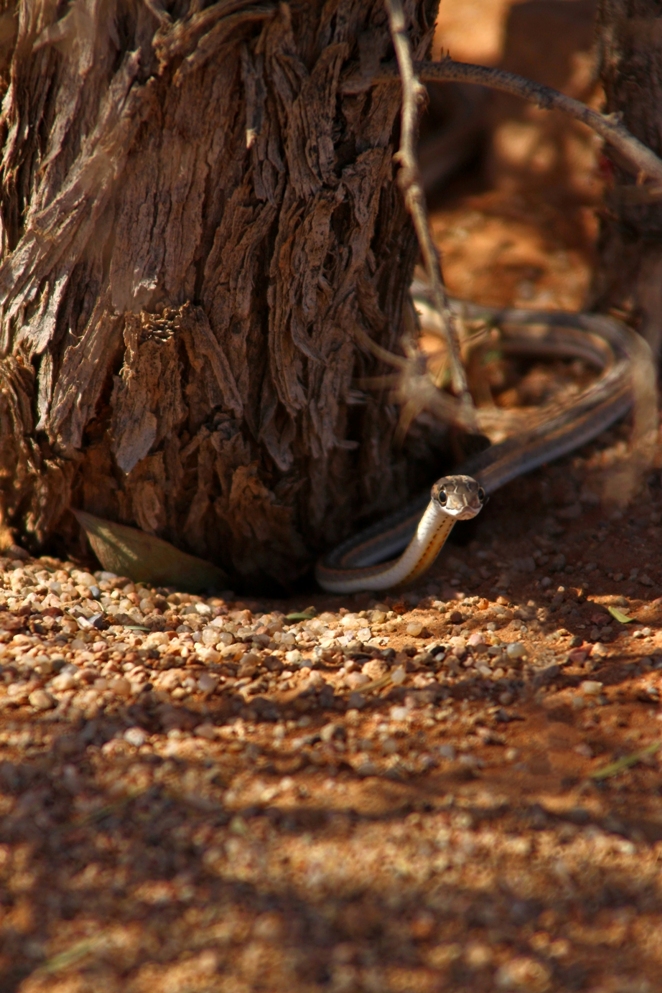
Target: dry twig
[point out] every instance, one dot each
(645, 162)
(408, 178)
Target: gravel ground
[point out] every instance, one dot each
(345, 794)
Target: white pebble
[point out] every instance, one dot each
(209, 636)
(398, 676)
(207, 683)
(414, 628)
(590, 687)
(351, 622)
(63, 681)
(294, 657)
(156, 638)
(135, 736)
(515, 650)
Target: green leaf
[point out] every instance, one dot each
(147, 559)
(619, 616)
(71, 956)
(625, 762)
(302, 615)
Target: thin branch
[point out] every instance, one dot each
(408, 178)
(644, 162)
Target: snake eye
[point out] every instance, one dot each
(441, 497)
(481, 494)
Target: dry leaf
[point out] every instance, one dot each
(147, 559)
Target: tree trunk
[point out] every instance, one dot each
(195, 218)
(629, 275)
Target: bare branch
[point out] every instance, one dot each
(643, 161)
(412, 190)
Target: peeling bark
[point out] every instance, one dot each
(193, 220)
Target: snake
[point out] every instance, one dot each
(400, 548)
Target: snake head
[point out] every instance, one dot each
(460, 497)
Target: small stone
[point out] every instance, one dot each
(515, 650)
(399, 713)
(478, 955)
(156, 638)
(356, 700)
(248, 665)
(207, 731)
(455, 617)
(207, 683)
(208, 654)
(63, 681)
(351, 622)
(120, 686)
(209, 636)
(330, 731)
(447, 752)
(577, 656)
(523, 973)
(41, 700)
(414, 628)
(398, 676)
(590, 687)
(475, 639)
(293, 657)
(135, 736)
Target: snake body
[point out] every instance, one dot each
(400, 548)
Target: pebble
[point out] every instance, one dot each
(207, 731)
(207, 683)
(414, 628)
(515, 650)
(475, 639)
(351, 622)
(135, 736)
(590, 687)
(41, 700)
(523, 973)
